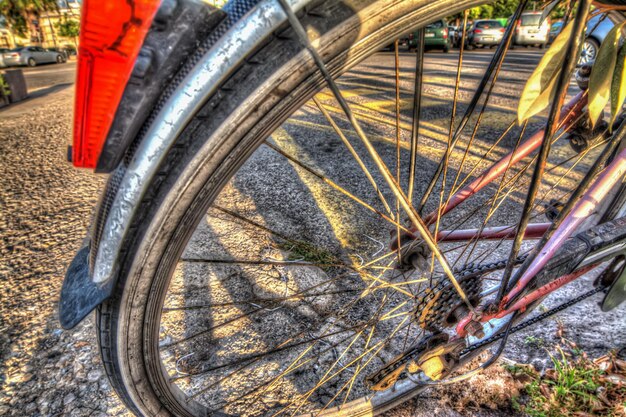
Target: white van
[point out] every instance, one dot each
(530, 30)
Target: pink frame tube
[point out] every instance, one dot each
(569, 113)
(585, 207)
(533, 231)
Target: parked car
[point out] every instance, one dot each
(555, 29)
(595, 33)
(484, 33)
(31, 56)
(458, 34)
(453, 33)
(530, 30)
(436, 36)
(2, 51)
(62, 51)
(392, 46)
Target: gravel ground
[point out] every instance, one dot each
(45, 209)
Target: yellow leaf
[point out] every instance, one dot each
(602, 74)
(539, 88)
(618, 86)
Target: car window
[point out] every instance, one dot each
(489, 24)
(31, 49)
(531, 20)
(556, 27)
(16, 49)
(435, 25)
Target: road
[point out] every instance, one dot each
(46, 209)
(50, 75)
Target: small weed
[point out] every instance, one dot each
(306, 252)
(575, 387)
(534, 342)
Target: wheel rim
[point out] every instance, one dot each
(317, 266)
(588, 52)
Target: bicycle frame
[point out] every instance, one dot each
(585, 207)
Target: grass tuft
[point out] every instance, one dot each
(575, 387)
(306, 252)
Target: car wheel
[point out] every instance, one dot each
(589, 51)
(32, 62)
(446, 49)
(59, 59)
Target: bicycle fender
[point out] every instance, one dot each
(79, 294)
(248, 25)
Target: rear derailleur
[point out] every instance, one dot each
(433, 356)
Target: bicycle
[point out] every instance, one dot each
(306, 324)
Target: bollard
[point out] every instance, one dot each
(17, 83)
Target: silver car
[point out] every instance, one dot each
(31, 56)
(484, 33)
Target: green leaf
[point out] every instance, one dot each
(602, 74)
(618, 85)
(539, 88)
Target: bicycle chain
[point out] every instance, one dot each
(468, 271)
(416, 352)
(532, 321)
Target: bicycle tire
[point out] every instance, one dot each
(259, 94)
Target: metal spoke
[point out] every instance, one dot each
(270, 301)
(398, 137)
(353, 152)
(492, 208)
(417, 106)
(496, 61)
(333, 184)
(408, 208)
(262, 262)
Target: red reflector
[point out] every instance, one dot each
(111, 35)
(478, 31)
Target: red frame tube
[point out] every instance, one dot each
(525, 301)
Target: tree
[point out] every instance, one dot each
(19, 14)
(69, 28)
(16, 15)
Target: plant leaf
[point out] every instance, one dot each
(548, 9)
(602, 74)
(618, 85)
(540, 86)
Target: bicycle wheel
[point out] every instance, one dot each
(254, 282)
